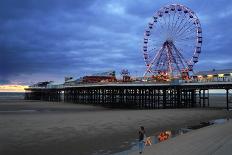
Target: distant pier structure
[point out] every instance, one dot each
(132, 95)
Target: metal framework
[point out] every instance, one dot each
(172, 42)
(139, 96)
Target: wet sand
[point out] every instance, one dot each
(32, 127)
(211, 140)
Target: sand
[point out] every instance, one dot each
(211, 140)
(46, 128)
(219, 101)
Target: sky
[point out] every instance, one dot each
(50, 39)
(12, 88)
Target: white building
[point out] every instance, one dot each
(224, 75)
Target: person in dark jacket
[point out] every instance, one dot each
(141, 139)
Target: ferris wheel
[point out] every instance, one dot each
(172, 42)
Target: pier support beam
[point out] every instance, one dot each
(140, 96)
(227, 99)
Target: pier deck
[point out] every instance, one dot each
(132, 95)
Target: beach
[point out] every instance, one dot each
(51, 128)
(213, 140)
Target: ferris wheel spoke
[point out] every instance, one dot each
(173, 19)
(175, 62)
(182, 59)
(159, 22)
(165, 20)
(185, 44)
(157, 32)
(159, 59)
(185, 29)
(172, 25)
(186, 47)
(168, 22)
(153, 49)
(184, 26)
(189, 42)
(186, 39)
(183, 22)
(174, 31)
(160, 62)
(179, 24)
(155, 43)
(176, 21)
(186, 33)
(153, 60)
(164, 24)
(160, 27)
(180, 19)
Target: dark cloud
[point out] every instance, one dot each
(54, 38)
(3, 81)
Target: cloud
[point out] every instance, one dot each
(115, 8)
(55, 38)
(3, 81)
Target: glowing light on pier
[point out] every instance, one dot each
(220, 75)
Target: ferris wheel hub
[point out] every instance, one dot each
(168, 42)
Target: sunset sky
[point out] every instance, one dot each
(50, 39)
(12, 88)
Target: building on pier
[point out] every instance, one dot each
(43, 84)
(54, 85)
(214, 75)
(100, 77)
(72, 81)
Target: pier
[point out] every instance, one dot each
(133, 95)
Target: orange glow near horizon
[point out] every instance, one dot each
(12, 88)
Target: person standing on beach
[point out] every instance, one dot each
(141, 139)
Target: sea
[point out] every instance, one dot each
(12, 95)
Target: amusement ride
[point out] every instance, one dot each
(172, 43)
